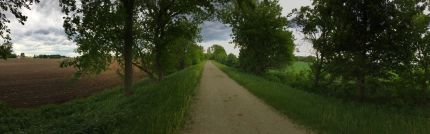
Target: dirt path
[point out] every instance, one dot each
(224, 107)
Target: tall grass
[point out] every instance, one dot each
(155, 107)
(333, 116)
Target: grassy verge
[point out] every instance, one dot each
(155, 107)
(334, 116)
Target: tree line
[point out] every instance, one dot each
(161, 36)
(260, 32)
(217, 52)
(366, 46)
(369, 46)
(158, 37)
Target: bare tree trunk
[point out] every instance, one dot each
(128, 47)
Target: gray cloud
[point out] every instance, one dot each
(215, 31)
(43, 33)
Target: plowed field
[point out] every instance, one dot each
(35, 82)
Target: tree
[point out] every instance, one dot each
(131, 32)
(158, 17)
(218, 53)
(100, 29)
(231, 60)
(8, 8)
(318, 31)
(182, 50)
(362, 40)
(260, 32)
(5, 50)
(420, 39)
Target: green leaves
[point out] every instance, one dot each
(14, 8)
(366, 40)
(97, 27)
(217, 53)
(259, 30)
(5, 50)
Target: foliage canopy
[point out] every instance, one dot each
(260, 32)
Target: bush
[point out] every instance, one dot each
(231, 60)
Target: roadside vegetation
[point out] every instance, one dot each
(382, 56)
(367, 51)
(155, 107)
(324, 114)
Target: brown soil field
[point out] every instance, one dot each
(35, 82)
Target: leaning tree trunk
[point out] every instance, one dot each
(128, 46)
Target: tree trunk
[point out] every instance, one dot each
(317, 76)
(128, 47)
(361, 86)
(158, 61)
(317, 73)
(426, 81)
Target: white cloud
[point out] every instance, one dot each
(289, 5)
(43, 32)
(228, 46)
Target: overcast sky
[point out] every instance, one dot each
(43, 33)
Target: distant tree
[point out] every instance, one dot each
(12, 55)
(5, 50)
(260, 32)
(218, 53)
(231, 60)
(7, 9)
(55, 56)
(208, 54)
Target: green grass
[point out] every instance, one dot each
(155, 107)
(294, 74)
(299, 66)
(295, 68)
(333, 116)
